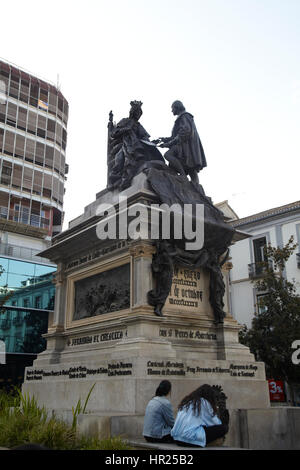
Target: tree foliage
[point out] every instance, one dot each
(276, 324)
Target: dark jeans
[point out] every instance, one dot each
(212, 433)
(167, 438)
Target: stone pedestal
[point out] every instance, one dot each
(118, 343)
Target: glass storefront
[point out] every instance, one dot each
(27, 294)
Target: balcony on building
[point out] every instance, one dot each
(258, 269)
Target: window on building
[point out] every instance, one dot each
(34, 94)
(44, 95)
(45, 218)
(26, 303)
(6, 173)
(2, 113)
(24, 215)
(9, 143)
(56, 161)
(50, 129)
(11, 117)
(24, 92)
(20, 146)
(21, 214)
(61, 192)
(39, 154)
(4, 77)
(35, 219)
(55, 189)
(52, 102)
(14, 86)
(29, 150)
(258, 248)
(47, 185)
(64, 139)
(60, 107)
(41, 126)
(37, 182)
(22, 119)
(17, 176)
(49, 156)
(62, 165)
(58, 136)
(31, 123)
(38, 301)
(27, 179)
(257, 269)
(261, 308)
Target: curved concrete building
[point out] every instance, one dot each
(33, 138)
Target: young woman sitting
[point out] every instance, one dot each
(159, 418)
(197, 423)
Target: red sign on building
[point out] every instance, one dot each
(276, 390)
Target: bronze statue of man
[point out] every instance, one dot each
(185, 155)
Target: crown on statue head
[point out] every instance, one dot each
(136, 104)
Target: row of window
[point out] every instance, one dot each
(33, 123)
(29, 91)
(41, 300)
(32, 181)
(25, 215)
(32, 151)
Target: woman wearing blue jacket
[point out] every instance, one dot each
(159, 418)
(197, 423)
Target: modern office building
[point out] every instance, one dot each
(33, 138)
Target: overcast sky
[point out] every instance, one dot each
(234, 64)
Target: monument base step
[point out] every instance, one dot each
(140, 444)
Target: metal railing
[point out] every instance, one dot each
(24, 218)
(258, 269)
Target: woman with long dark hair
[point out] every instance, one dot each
(197, 422)
(159, 418)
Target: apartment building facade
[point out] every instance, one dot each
(274, 226)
